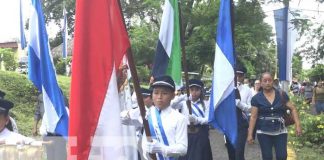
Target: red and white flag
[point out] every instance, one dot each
(100, 42)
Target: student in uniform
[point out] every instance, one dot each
(124, 115)
(243, 108)
(7, 136)
(11, 125)
(167, 126)
(198, 139)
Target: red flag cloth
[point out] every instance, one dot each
(100, 42)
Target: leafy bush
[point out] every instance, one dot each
(60, 67)
(8, 57)
(313, 129)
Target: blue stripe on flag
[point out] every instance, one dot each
(222, 113)
(281, 24)
(161, 61)
(42, 71)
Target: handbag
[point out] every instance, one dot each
(288, 117)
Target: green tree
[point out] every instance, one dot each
(200, 34)
(252, 37)
(143, 17)
(317, 73)
(313, 48)
(53, 11)
(143, 39)
(297, 65)
(142, 10)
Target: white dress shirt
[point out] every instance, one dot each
(246, 96)
(175, 128)
(13, 138)
(174, 125)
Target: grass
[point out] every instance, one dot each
(307, 153)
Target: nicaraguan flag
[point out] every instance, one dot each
(286, 36)
(64, 35)
(168, 52)
(41, 72)
(22, 33)
(222, 113)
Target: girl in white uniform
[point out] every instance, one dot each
(198, 140)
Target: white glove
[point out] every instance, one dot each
(156, 147)
(135, 112)
(193, 119)
(147, 114)
(124, 117)
(237, 102)
(36, 143)
(183, 97)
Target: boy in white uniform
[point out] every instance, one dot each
(168, 127)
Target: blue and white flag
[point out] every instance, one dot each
(286, 36)
(222, 113)
(64, 35)
(41, 72)
(22, 33)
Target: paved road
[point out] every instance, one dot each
(252, 152)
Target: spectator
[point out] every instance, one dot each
(318, 97)
(294, 87)
(39, 112)
(308, 92)
(276, 84)
(11, 125)
(256, 88)
(6, 135)
(268, 108)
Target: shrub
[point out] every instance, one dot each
(60, 66)
(8, 57)
(313, 128)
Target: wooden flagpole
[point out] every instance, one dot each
(185, 68)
